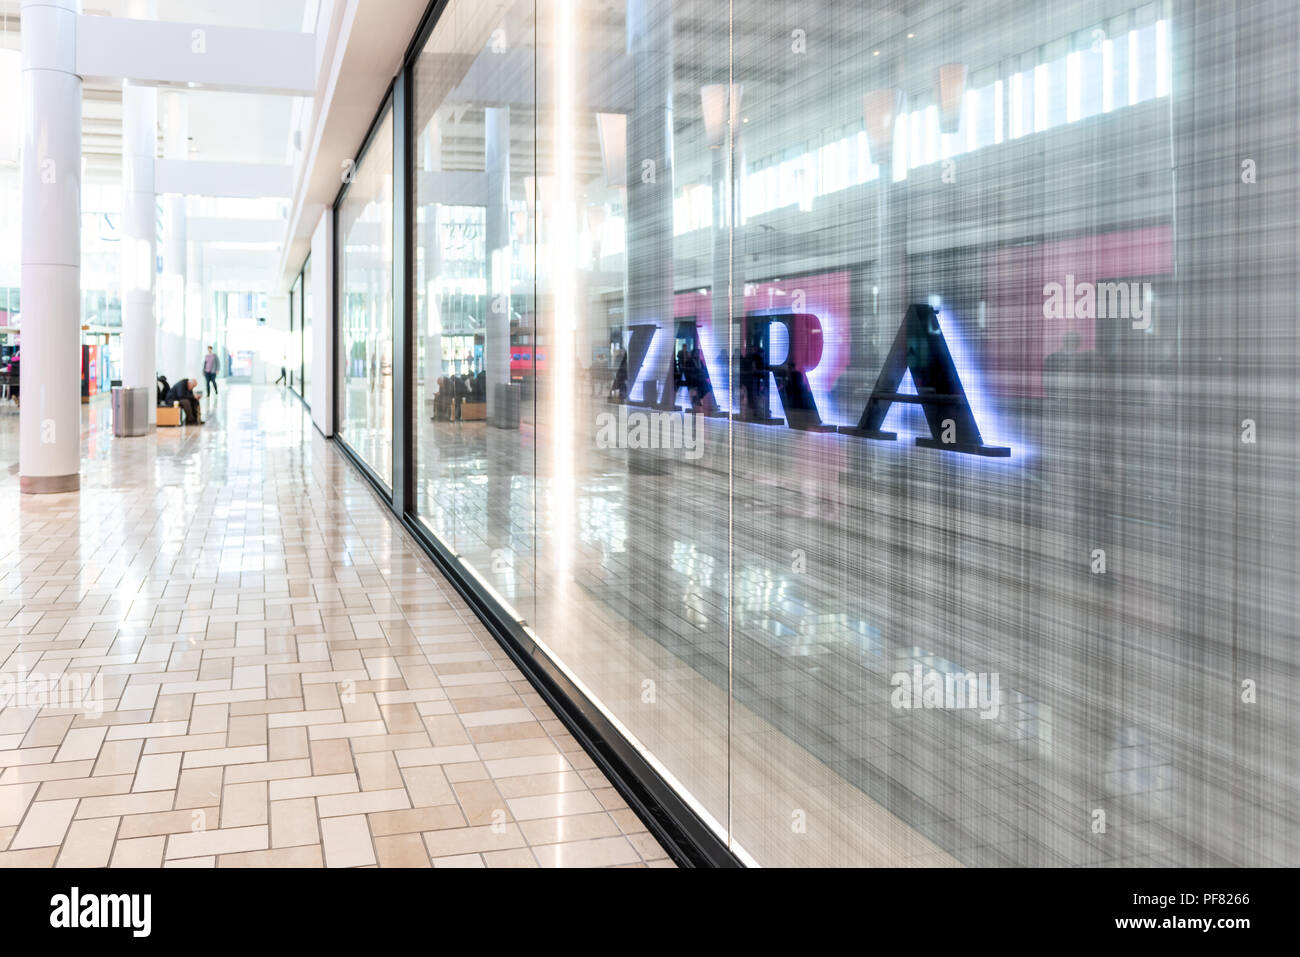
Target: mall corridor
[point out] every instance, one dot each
(284, 678)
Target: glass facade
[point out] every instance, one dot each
(293, 352)
(305, 337)
(365, 306)
(842, 402)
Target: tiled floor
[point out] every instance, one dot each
(284, 679)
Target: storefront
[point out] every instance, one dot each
(852, 428)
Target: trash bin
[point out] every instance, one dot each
(506, 413)
(131, 408)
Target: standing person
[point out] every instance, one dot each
(210, 366)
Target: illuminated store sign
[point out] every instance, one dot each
(919, 349)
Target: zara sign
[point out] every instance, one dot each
(918, 348)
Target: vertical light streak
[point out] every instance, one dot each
(1108, 76)
(561, 352)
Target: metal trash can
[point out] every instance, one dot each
(506, 413)
(131, 408)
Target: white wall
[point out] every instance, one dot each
(322, 323)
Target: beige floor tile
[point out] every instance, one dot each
(602, 852)
(88, 843)
(85, 787)
(33, 857)
(647, 846)
(427, 786)
(243, 805)
(307, 856)
(119, 757)
(364, 802)
(481, 802)
(466, 771)
(293, 823)
(224, 756)
(460, 860)
(138, 852)
(416, 819)
(332, 756)
(45, 824)
(577, 827)
(347, 841)
(14, 800)
(219, 841)
(198, 787)
(471, 840)
(531, 784)
(531, 764)
(401, 850)
(554, 805)
(313, 786)
(515, 858)
(168, 822)
(209, 719)
(456, 754)
(378, 771)
(157, 772)
(286, 743)
(81, 744)
(120, 805)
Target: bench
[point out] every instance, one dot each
(169, 415)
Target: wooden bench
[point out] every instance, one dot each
(169, 415)
(473, 411)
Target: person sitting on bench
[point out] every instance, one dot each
(182, 393)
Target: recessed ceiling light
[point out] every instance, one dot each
(876, 53)
(911, 36)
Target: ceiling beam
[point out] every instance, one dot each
(162, 53)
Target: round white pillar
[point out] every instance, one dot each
(496, 340)
(139, 246)
(179, 350)
(50, 370)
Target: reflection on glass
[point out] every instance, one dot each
(365, 359)
(660, 271)
(306, 331)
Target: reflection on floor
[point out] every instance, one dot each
(638, 610)
(746, 611)
(283, 679)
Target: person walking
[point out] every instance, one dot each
(284, 371)
(210, 365)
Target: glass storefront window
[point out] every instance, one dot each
(365, 360)
(306, 332)
(751, 379)
(294, 351)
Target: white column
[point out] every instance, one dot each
(431, 233)
(179, 351)
(139, 249)
(50, 421)
(496, 340)
(198, 325)
(323, 379)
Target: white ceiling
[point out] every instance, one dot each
(223, 127)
